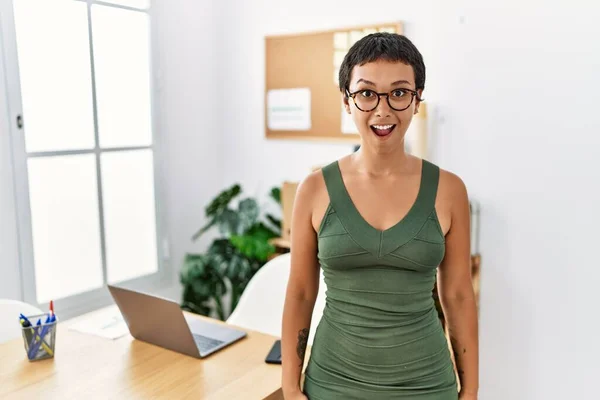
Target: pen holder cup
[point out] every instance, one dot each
(40, 339)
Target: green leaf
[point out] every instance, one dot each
(204, 229)
(202, 282)
(201, 288)
(254, 245)
(222, 249)
(276, 194)
(193, 268)
(195, 308)
(264, 250)
(214, 211)
(245, 269)
(243, 244)
(220, 203)
(248, 214)
(276, 222)
(229, 222)
(231, 269)
(262, 231)
(220, 289)
(266, 231)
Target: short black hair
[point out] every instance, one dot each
(382, 46)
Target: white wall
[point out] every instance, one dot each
(515, 92)
(10, 281)
(519, 99)
(191, 142)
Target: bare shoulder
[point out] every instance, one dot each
(451, 186)
(312, 198)
(310, 187)
(451, 195)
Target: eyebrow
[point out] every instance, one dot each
(372, 84)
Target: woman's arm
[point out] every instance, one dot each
(302, 289)
(456, 290)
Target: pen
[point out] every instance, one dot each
(33, 348)
(45, 328)
(52, 316)
(24, 318)
(30, 334)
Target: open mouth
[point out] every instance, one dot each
(382, 130)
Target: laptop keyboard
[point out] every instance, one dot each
(205, 344)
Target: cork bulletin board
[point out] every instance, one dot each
(302, 97)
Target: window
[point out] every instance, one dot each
(85, 159)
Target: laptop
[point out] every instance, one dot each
(161, 322)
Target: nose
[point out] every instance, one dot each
(383, 108)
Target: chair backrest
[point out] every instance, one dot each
(260, 307)
(9, 315)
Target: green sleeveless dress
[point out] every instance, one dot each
(380, 337)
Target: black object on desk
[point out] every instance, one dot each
(274, 356)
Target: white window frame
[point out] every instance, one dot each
(84, 302)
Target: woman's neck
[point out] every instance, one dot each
(380, 164)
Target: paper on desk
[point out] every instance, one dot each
(107, 323)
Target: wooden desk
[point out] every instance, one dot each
(87, 366)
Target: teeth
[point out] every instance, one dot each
(382, 127)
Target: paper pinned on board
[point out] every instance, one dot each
(288, 109)
(340, 40)
(389, 29)
(338, 57)
(107, 323)
(355, 36)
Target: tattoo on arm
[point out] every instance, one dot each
(302, 341)
(458, 358)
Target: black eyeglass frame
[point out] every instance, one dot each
(413, 93)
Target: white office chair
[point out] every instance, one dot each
(260, 307)
(9, 315)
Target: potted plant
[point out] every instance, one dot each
(233, 258)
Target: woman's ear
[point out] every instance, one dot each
(346, 102)
(418, 101)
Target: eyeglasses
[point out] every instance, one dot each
(398, 99)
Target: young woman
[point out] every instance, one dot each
(381, 224)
